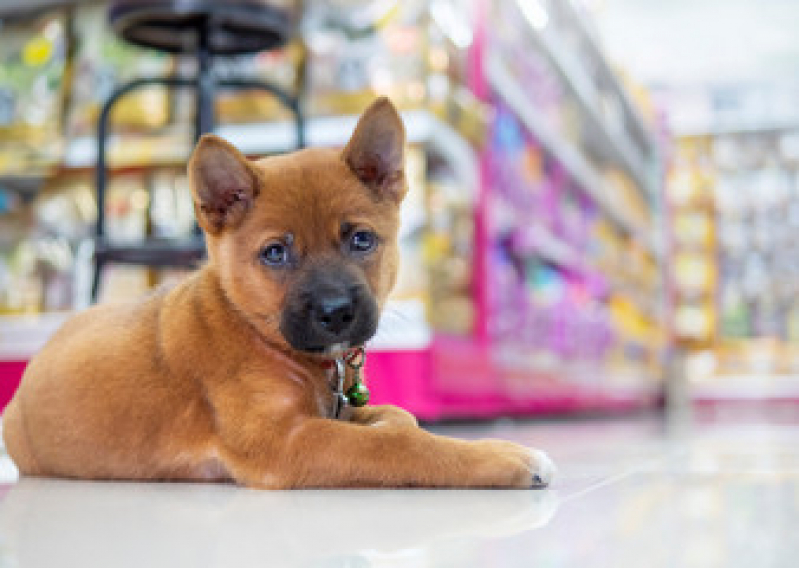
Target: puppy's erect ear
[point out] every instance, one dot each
(376, 150)
(223, 184)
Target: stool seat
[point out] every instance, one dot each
(233, 27)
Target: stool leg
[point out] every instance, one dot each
(204, 112)
(299, 123)
(101, 169)
(98, 270)
(206, 86)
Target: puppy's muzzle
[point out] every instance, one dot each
(331, 316)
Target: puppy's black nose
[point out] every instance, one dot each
(334, 314)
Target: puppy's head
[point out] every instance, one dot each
(305, 244)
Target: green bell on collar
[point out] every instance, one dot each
(358, 394)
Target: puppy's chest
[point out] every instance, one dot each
(324, 402)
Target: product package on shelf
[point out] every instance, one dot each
(103, 61)
(414, 52)
(40, 251)
(449, 250)
(32, 81)
(626, 197)
(152, 203)
(47, 252)
(351, 59)
(517, 171)
(412, 280)
(151, 122)
(694, 261)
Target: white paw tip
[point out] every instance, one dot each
(544, 469)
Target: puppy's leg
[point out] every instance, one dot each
(317, 452)
(383, 415)
(16, 439)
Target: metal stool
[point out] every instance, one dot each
(203, 28)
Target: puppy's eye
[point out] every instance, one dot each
(363, 241)
(276, 254)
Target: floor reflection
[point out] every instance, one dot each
(72, 523)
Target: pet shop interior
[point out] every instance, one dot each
(599, 259)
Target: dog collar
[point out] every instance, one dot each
(358, 394)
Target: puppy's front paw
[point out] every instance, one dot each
(514, 465)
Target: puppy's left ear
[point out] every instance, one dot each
(223, 183)
(376, 150)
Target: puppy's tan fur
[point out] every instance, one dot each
(198, 383)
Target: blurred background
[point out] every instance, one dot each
(604, 193)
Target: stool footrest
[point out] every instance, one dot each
(155, 252)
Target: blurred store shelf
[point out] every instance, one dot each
(582, 24)
(572, 159)
(541, 242)
(536, 239)
(590, 103)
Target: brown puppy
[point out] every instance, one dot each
(223, 376)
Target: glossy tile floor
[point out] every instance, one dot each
(636, 492)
